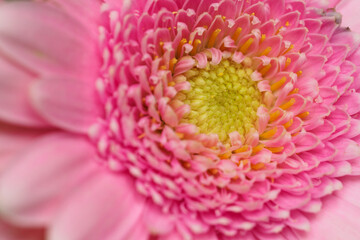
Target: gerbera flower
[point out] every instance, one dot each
(179, 119)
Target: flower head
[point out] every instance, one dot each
(228, 119)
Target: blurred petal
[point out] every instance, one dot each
(46, 40)
(13, 140)
(108, 208)
(155, 220)
(350, 14)
(14, 97)
(33, 187)
(66, 103)
(86, 12)
(338, 217)
(9, 232)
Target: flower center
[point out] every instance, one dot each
(223, 99)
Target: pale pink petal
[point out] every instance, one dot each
(108, 208)
(265, 184)
(333, 3)
(320, 3)
(155, 220)
(349, 10)
(14, 95)
(337, 219)
(346, 149)
(14, 139)
(84, 11)
(33, 187)
(66, 103)
(138, 233)
(30, 41)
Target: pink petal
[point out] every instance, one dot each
(342, 168)
(321, 4)
(276, 7)
(337, 219)
(138, 233)
(350, 102)
(84, 11)
(314, 206)
(32, 188)
(289, 201)
(156, 220)
(167, 113)
(177, 236)
(355, 167)
(298, 221)
(184, 64)
(60, 45)
(347, 149)
(305, 142)
(107, 208)
(12, 140)
(14, 95)
(354, 129)
(349, 10)
(296, 36)
(312, 65)
(207, 236)
(318, 42)
(263, 117)
(66, 103)
(350, 191)
(333, 3)
(324, 131)
(9, 232)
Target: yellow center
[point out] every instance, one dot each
(222, 98)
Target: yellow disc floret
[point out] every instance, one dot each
(222, 98)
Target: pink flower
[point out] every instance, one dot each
(179, 119)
